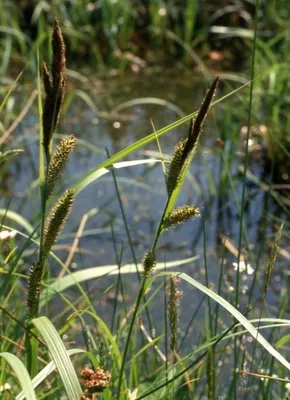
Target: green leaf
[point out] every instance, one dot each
(4, 157)
(97, 173)
(110, 341)
(21, 373)
(45, 372)
(60, 356)
(86, 180)
(12, 87)
(237, 315)
(149, 100)
(40, 111)
(96, 272)
(16, 218)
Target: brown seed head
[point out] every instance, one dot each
(95, 381)
(196, 125)
(54, 84)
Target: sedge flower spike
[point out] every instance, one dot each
(33, 290)
(180, 215)
(54, 85)
(149, 263)
(58, 162)
(174, 300)
(56, 221)
(187, 146)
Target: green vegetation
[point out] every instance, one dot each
(129, 33)
(55, 341)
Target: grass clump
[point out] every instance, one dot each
(117, 363)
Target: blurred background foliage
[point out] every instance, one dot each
(211, 37)
(122, 33)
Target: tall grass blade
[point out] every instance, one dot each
(97, 272)
(237, 315)
(45, 372)
(87, 179)
(21, 373)
(12, 87)
(60, 357)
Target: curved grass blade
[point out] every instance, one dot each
(45, 372)
(104, 170)
(21, 373)
(87, 179)
(236, 314)
(108, 338)
(96, 272)
(16, 218)
(60, 356)
(12, 87)
(149, 100)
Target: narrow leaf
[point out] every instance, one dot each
(60, 357)
(21, 373)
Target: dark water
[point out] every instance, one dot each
(108, 125)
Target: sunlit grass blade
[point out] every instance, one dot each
(15, 217)
(45, 372)
(96, 272)
(111, 344)
(149, 100)
(237, 315)
(22, 375)
(86, 180)
(40, 111)
(102, 171)
(60, 357)
(12, 87)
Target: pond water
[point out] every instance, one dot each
(108, 122)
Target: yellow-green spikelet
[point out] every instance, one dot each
(175, 166)
(33, 290)
(56, 220)
(58, 162)
(149, 263)
(180, 215)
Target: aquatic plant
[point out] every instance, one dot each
(110, 366)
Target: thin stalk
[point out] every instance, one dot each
(129, 239)
(187, 154)
(246, 161)
(189, 366)
(119, 280)
(165, 328)
(139, 299)
(128, 340)
(31, 342)
(210, 358)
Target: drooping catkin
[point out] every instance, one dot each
(185, 147)
(33, 290)
(149, 263)
(174, 300)
(54, 85)
(180, 215)
(56, 220)
(58, 162)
